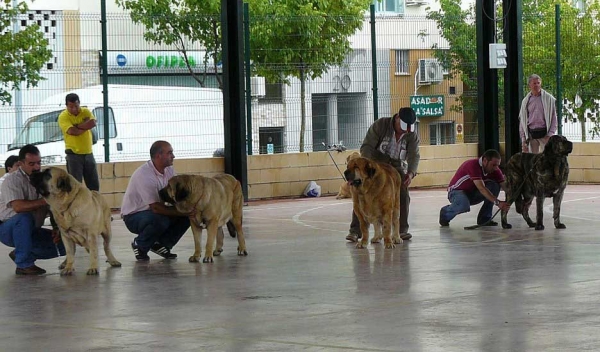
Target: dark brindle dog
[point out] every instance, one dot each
(540, 176)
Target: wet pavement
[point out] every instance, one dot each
(304, 288)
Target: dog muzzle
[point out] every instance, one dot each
(355, 183)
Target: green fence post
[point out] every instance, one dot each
(248, 74)
(374, 63)
(559, 101)
(105, 82)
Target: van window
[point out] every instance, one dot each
(39, 129)
(112, 129)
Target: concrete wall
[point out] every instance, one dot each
(286, 175)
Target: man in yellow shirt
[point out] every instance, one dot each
(76, 124)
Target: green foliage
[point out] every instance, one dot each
(23, 53)
(182, 23)
(580, 54)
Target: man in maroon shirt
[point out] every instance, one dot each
(475, 181)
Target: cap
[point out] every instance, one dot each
(407, 115)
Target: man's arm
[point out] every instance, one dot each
(489, 196)
(25, 206)
(160, 208)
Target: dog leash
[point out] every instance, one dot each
(334, 163)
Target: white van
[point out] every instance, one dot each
(191, 119)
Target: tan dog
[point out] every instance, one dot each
(345, 187)
(211, 203)
(81, 215)
(376, 200)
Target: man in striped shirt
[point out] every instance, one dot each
(475, 181)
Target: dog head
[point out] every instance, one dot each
(52, 181)
(176, 191)
(558, 145)
(352, 156)
(358, 170)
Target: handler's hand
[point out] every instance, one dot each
(504, 206)
(524, 148)
(408, 179)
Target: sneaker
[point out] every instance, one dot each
(443, 223)
(352, 237)
(12, 255)
(405, 236)
(163, 251)
(30, 270)
(140, 254)
(489, 223)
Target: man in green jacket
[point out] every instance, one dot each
(391, 140)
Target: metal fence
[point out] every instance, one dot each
(152, 94)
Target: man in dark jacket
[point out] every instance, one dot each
(391, 140)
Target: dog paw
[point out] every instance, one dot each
(92, 271)
(62, 265)
(376, 240)
(217, 252)
(390, 245)
(506, 226)
(208, 260)
(194, 259)
(397, 239)
(560, 226)
(531, 224)
(67, 272)
(242, 252)
(539, 227)
(360, 245)
(114, 263)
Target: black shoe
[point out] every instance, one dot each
(405, 236)
(12, 255)
(140, 254)
(30, 270)
(163, 251)
(489, 223)
(443, 223)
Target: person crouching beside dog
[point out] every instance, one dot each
(475, 181)
(158, 227)
(22, 214)
(537, 117)
(391, 140)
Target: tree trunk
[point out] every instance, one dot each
(302, 109)
(582, 123)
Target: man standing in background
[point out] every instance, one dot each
(76, 124)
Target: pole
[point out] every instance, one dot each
(558, 71)
(105, 82)
(248, 74)
(18, 102)
(374, 63)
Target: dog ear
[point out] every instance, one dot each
(370, 170)
(180, 193)
(64, 184)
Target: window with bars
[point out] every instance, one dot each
(402, 62)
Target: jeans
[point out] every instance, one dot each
(461, 201)
(83, 167)
(151, 227)
(30, 243)
(404, 206)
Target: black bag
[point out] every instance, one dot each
(537, 133)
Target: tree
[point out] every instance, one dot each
(23, 53)
(182, 23)
(302, 39)
(580, 55)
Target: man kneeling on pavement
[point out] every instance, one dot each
(22, 214)
(475, 181)
(391, 140)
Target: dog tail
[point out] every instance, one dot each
(231, 228)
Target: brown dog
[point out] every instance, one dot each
(81, 215)
(540, 176)
(344, 191)
(211, 202)
(376, 200)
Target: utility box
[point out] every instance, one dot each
(498, 55)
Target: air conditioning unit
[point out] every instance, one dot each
(257, 86)
(416, 2)
(430, 71)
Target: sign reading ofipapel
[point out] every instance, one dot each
(427, 105)
(157, 62)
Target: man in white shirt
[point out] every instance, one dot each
(158, 227)
(10, 165)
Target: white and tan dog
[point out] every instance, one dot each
(81, 215)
